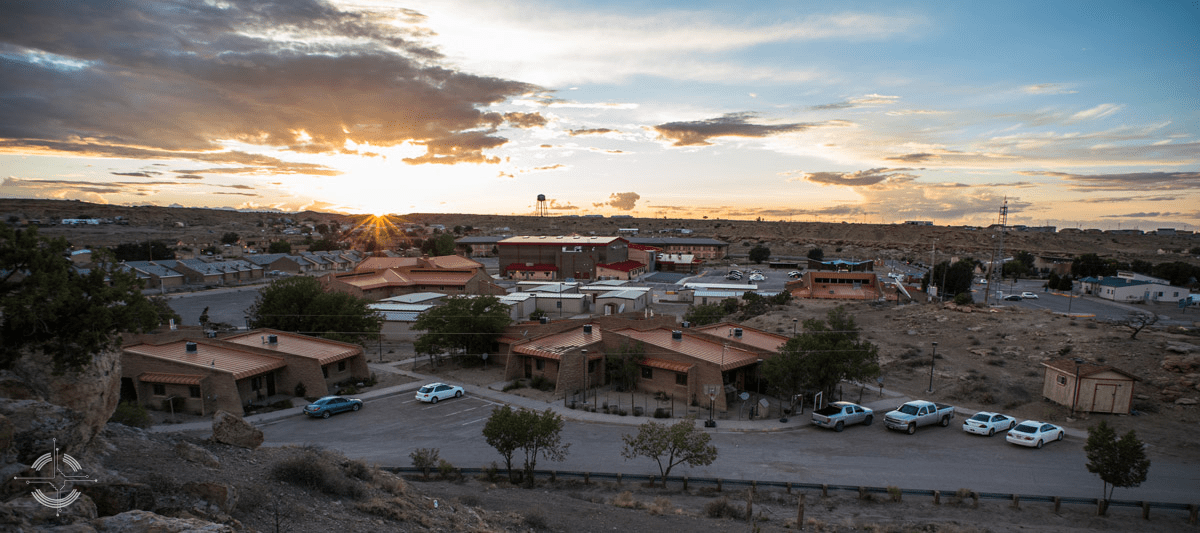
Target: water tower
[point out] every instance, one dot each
(541, 205)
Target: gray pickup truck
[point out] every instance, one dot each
(917, 413)
(838, 415)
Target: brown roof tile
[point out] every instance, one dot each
(664, 364)
(170, 379)
(324, 351)
(553, 346)
(212, 355)
(702, 348)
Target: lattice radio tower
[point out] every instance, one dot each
(541, 205)
(998, 275)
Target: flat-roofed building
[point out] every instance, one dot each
(559, 257)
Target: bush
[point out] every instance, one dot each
(131, 414)
(517, 384)
(662, 412)
(314, 472)
(445, 469)
(541, 383)
(963, 298)
(301, 389)
(425, 459)
(723, 509)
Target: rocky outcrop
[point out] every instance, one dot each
(195, 454)
(231, 429)
(38, 427)
(92, 391)
(1182, 347)
(1184, 364)
(223, 497)
(142, 521)
(116, 498)
(26, 514)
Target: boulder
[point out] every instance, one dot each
(113, 498)
(1185, 364)
(26, 511)
(91, 391)
(1186, 401)
(141, 521)
(195, 454)
(38, 427)
(232, 429)
(223, 496)
(1182, 347)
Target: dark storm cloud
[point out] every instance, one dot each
(913, 158)
(109, 77)
(698, 133)
(1140, 181)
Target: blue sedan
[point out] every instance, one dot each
(330, 405)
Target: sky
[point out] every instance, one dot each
(1075, 114)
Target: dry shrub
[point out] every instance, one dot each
(536, 520)
(398, 509)
(313, 471)
(661, 505)
(723, 509)
(626, 500)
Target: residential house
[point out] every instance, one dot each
(154, 275)
(628, 269)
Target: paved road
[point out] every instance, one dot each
(391, 428)
(226, 305)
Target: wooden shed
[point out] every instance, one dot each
(1088, 387)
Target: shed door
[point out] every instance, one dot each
(1104, 398)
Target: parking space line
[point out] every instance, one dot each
(473, 421)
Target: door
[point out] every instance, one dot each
(1104, 397)
(270, 384)
(528, 368)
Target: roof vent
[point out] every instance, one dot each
(587, 328)
(737, 332)
(190, 347)
(677, 335)
(687, 324)
(274, 339)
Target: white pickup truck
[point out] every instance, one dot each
(917, 413)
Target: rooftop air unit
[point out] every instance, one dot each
(274, 339)
(676, 335)
(190, 347)
(587, 328)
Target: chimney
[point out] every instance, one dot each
(587, 328)
(190, 347)
(737, 332)
(676, 335)
(274, 339)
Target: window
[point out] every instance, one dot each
(647, 372)
(160, 389)
(341, 366)
(681, 379)
(255, 383)
(194, 391)
(325, 371)
(539, 364)
(592, 366)
(1062, 380)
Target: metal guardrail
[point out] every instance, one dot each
(720, 483)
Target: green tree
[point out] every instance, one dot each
(827, 352)
(230, 238)
(164, 311)
(280, 247)
(300, 304)
(1092, 265)
(466, 324)
(669, 446)
(760, 253)
(704, 314)
(956, 278)
(326, 244)
(142, 251)
(623, 366)
(816, 254)
(442, 244)
(48, 305)
(1119, 462)
(537, 314)
(536, 434)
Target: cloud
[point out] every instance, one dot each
(1123, 199)
(1135, 181)
(624, 201)
(190, 177)
(913, 158)
(1153, 214)
(1048, 88)
(1044, 173)
(185, 78)
(698, 133)
(861, 178)
(548, 167)
(870, 100)
(590, 131)
(553, 205)
(146, 174)
(1100, 111)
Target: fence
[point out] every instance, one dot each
(1193, 510)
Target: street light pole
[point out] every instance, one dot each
(585, 377)
(932, 359)
(794, 321)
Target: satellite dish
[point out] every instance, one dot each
(763, 402)
(483, 356)
(744, 396)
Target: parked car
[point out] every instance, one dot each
(433, 392)
(331, 405)
(917, 413)
(1034, 433)
(794, 274)
(985, 423)
(1013, 297)
(1029, 295)
(838, 415)
(757, 277)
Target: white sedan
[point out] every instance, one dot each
(1033, 433)
(757, 277)
(433, 392)
(1029, 295)
(985, 423)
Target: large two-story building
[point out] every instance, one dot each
(559, 257)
